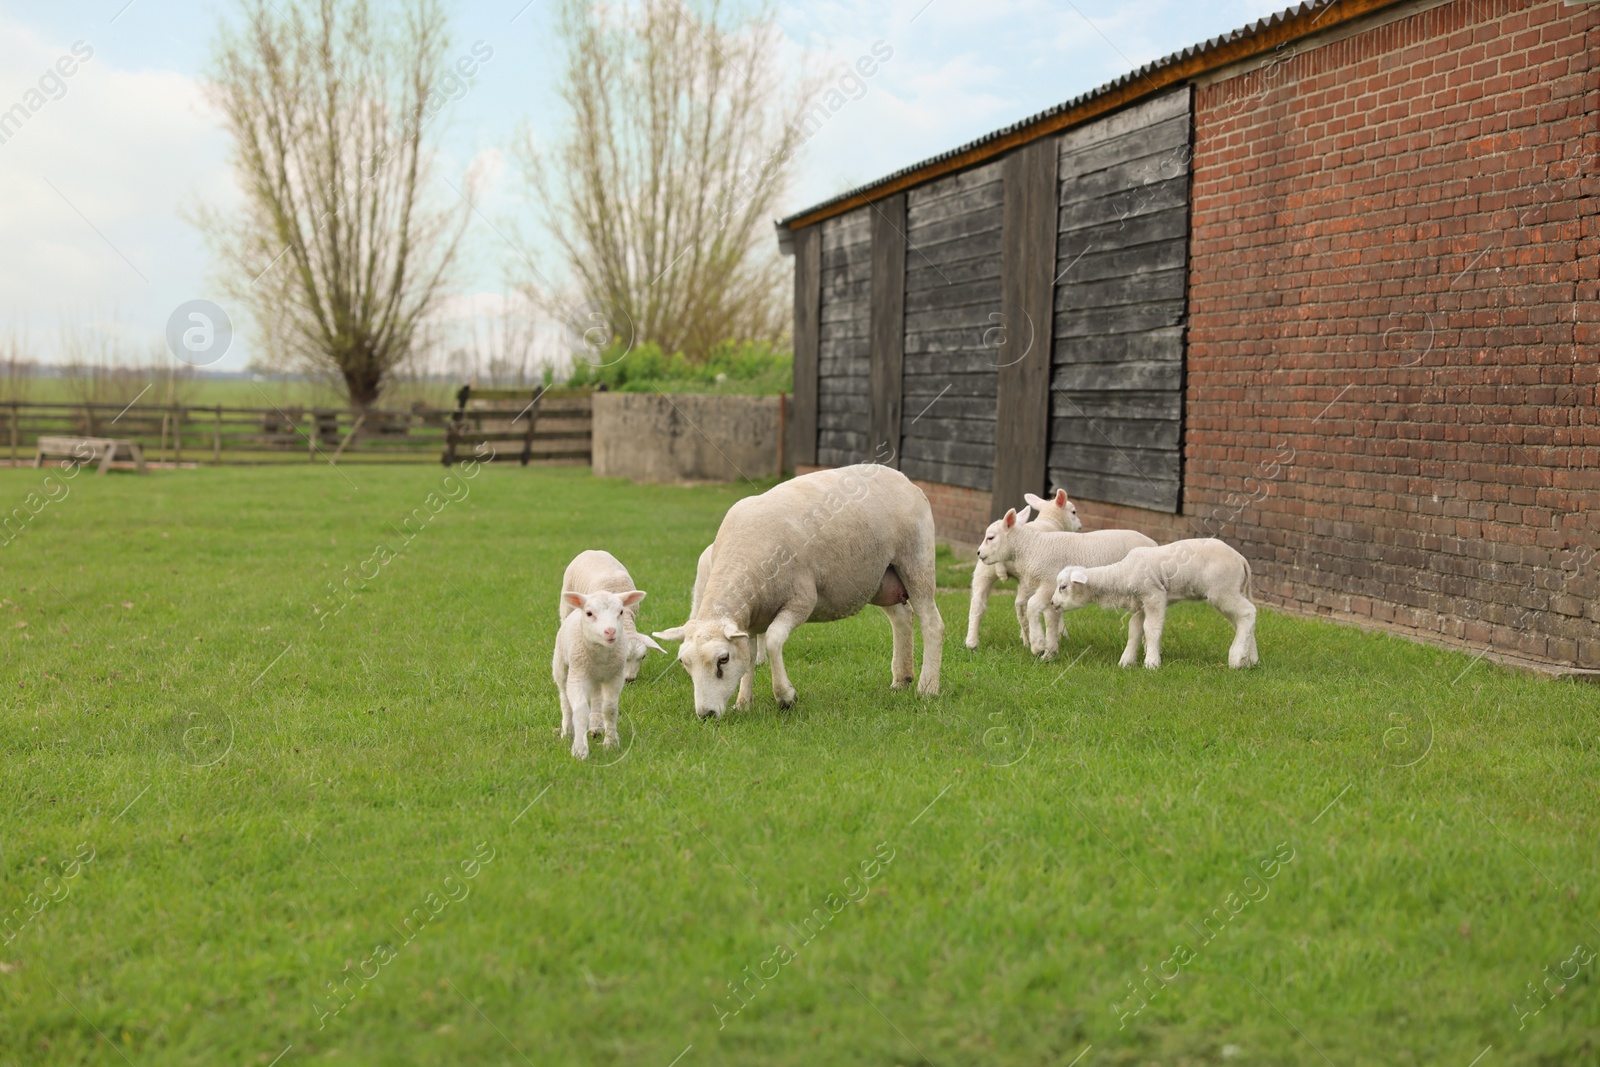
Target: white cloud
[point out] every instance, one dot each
(97, 183)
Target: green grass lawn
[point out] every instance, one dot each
(1363, 852)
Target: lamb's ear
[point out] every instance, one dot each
(645, 642)
(731, 631)
(576, 600)
(1024, 515)
(1011, 518)
(674, 634)
(1079, 576)
(1034, 501)
(1061, 498)
(632, 597)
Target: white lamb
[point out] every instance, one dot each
(1148, 579)
(1038, 556)
(590, 663)
(594, 571)
(1056, 513)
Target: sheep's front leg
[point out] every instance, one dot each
(1155, 615)
(983, 579)
(578, 696)
(1038, 607)
(1130, 655)
(903, 661)
(777, 634)
(609, 697)
(747, 684)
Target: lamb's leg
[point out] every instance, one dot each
(1242, 613)
(578, 695)
(917, 573)
(1022, 610)
(1130, 655)
(983, 579)
(904, 661)
(609, 696)
(1155, 616)
(777, 634)
(1038, 606)
(560, 673)
(1052, 630)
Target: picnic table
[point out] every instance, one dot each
(101, 450)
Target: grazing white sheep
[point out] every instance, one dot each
(593, 571)
(1055, 513)
(702, 571)
(590, 663)
(1037, 556)
(816, 548)
(1148, 579)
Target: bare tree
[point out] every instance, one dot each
(659, 196)
(337, 253)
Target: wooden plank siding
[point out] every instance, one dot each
(1027, 275)
(1121, 259)
(844, 340)
(952, 320)
(888, 326)
(802, 444)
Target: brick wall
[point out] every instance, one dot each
(1392, 363)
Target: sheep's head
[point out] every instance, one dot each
(717, 654)
(1072, 588)
(998, 546)
(1055, 512)
(639, 646)
(602, 615)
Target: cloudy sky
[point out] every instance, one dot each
(99, 184)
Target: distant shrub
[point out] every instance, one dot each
(751, 368)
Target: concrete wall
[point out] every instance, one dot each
(649, 437)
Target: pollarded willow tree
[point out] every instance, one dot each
(339, 253)
(660, 193)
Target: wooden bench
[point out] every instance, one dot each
(89, 450)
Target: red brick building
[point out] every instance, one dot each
(1325, 287)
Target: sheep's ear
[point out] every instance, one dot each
(632, 598)
(1011, 518)
(576, 600)
(1061, 498)
(731, 631)
(1024, 515)
(674, 634)
(1079, 576)
(1033, 501)
(645, 642)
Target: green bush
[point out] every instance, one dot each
(743, 367)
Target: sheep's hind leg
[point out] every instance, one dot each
(904, 660)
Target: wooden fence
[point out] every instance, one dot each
(188, 434)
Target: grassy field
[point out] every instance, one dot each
(233, 833)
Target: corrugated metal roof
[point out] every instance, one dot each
(1193, 51)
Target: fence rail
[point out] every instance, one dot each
(184, 434)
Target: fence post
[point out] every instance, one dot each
(165, 417)
(15, 415)
(216, 439)
(177, 436)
